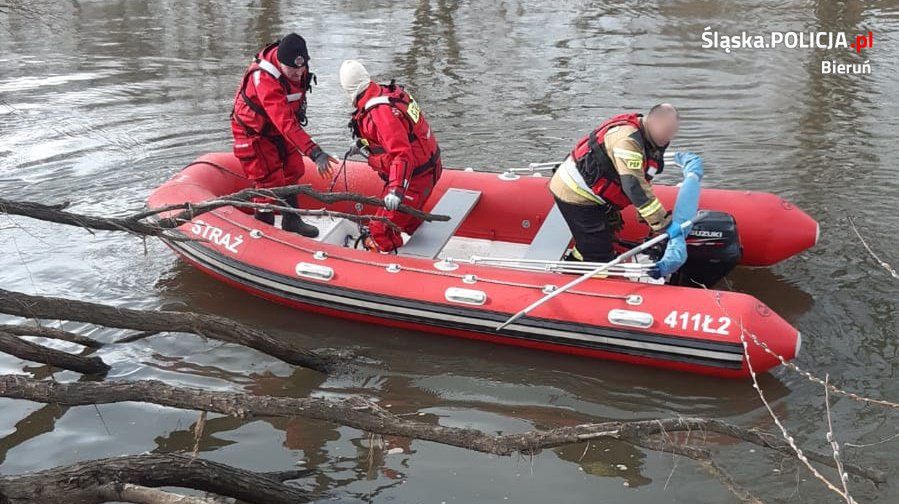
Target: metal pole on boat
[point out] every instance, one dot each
(590, 274)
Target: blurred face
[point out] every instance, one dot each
(293, 74)
(662, 127)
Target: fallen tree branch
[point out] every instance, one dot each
(210, 326)
(883, 264)
(88, 482)
(790, 442)
(27, 350)
(210, 205)
(131, 338)
(137, 494)
(159, 225)
(367, 416)
(191, 210)
(58, 214)
(51, 333)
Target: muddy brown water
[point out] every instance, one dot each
(102, 101)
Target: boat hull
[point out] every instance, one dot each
(677, 328)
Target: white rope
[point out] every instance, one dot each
(418, 270)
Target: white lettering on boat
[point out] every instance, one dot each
(697, 322)
(216, 235)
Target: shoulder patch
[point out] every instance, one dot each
(633, 160)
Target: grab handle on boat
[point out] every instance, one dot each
(314, 271)
(466, 296)
(631, 318)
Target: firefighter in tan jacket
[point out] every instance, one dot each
(611, 169)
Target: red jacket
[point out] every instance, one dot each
(267, 103)
(399, 138)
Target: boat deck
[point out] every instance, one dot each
(334, 231)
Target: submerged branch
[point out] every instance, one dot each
(27, 350)
(97, 480)
(369, 417)
(51, 333)
(210, 326)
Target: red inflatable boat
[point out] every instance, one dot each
(498, 253)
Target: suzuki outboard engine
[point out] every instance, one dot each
(713, 249)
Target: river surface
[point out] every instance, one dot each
(100, 102)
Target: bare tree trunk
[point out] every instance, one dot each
(89, 482)
(27, 350)
(144, 495)
(369, 417)
(153, 223)
(51, 333)
(210, 326)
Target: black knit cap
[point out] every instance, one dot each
(290, 48)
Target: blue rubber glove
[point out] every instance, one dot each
(685, 208)
(675, 257)
(691, 163)
(688, 195)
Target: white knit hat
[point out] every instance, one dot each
(354, 78)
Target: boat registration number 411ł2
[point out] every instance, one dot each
(698, 322)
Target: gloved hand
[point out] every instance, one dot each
(659, 220)
(691, 163)
(358, 149)
(393, 199)
(323, 162)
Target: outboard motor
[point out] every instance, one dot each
(713, 249)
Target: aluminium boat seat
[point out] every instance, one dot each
(339, 231)
(552, 239)
(430, 238)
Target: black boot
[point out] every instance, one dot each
(293, 223)
(265, 216)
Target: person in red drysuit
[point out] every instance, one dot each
(267, 123)
(391, 130)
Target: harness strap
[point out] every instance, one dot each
(427, 165)
(392, 101)
(423, 168)
(374, 102)
(268, 67)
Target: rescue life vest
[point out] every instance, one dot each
(260, 64)
(425, 151)
(597, 168)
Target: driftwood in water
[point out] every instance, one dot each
(368, 416)
(97, 481)
(50, 332)
(27, 350)
(210, 326)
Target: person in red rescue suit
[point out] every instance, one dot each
(391, 130)
(267, 122)
(609, 170)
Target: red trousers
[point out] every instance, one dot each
(417, 194)
(267, 162)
